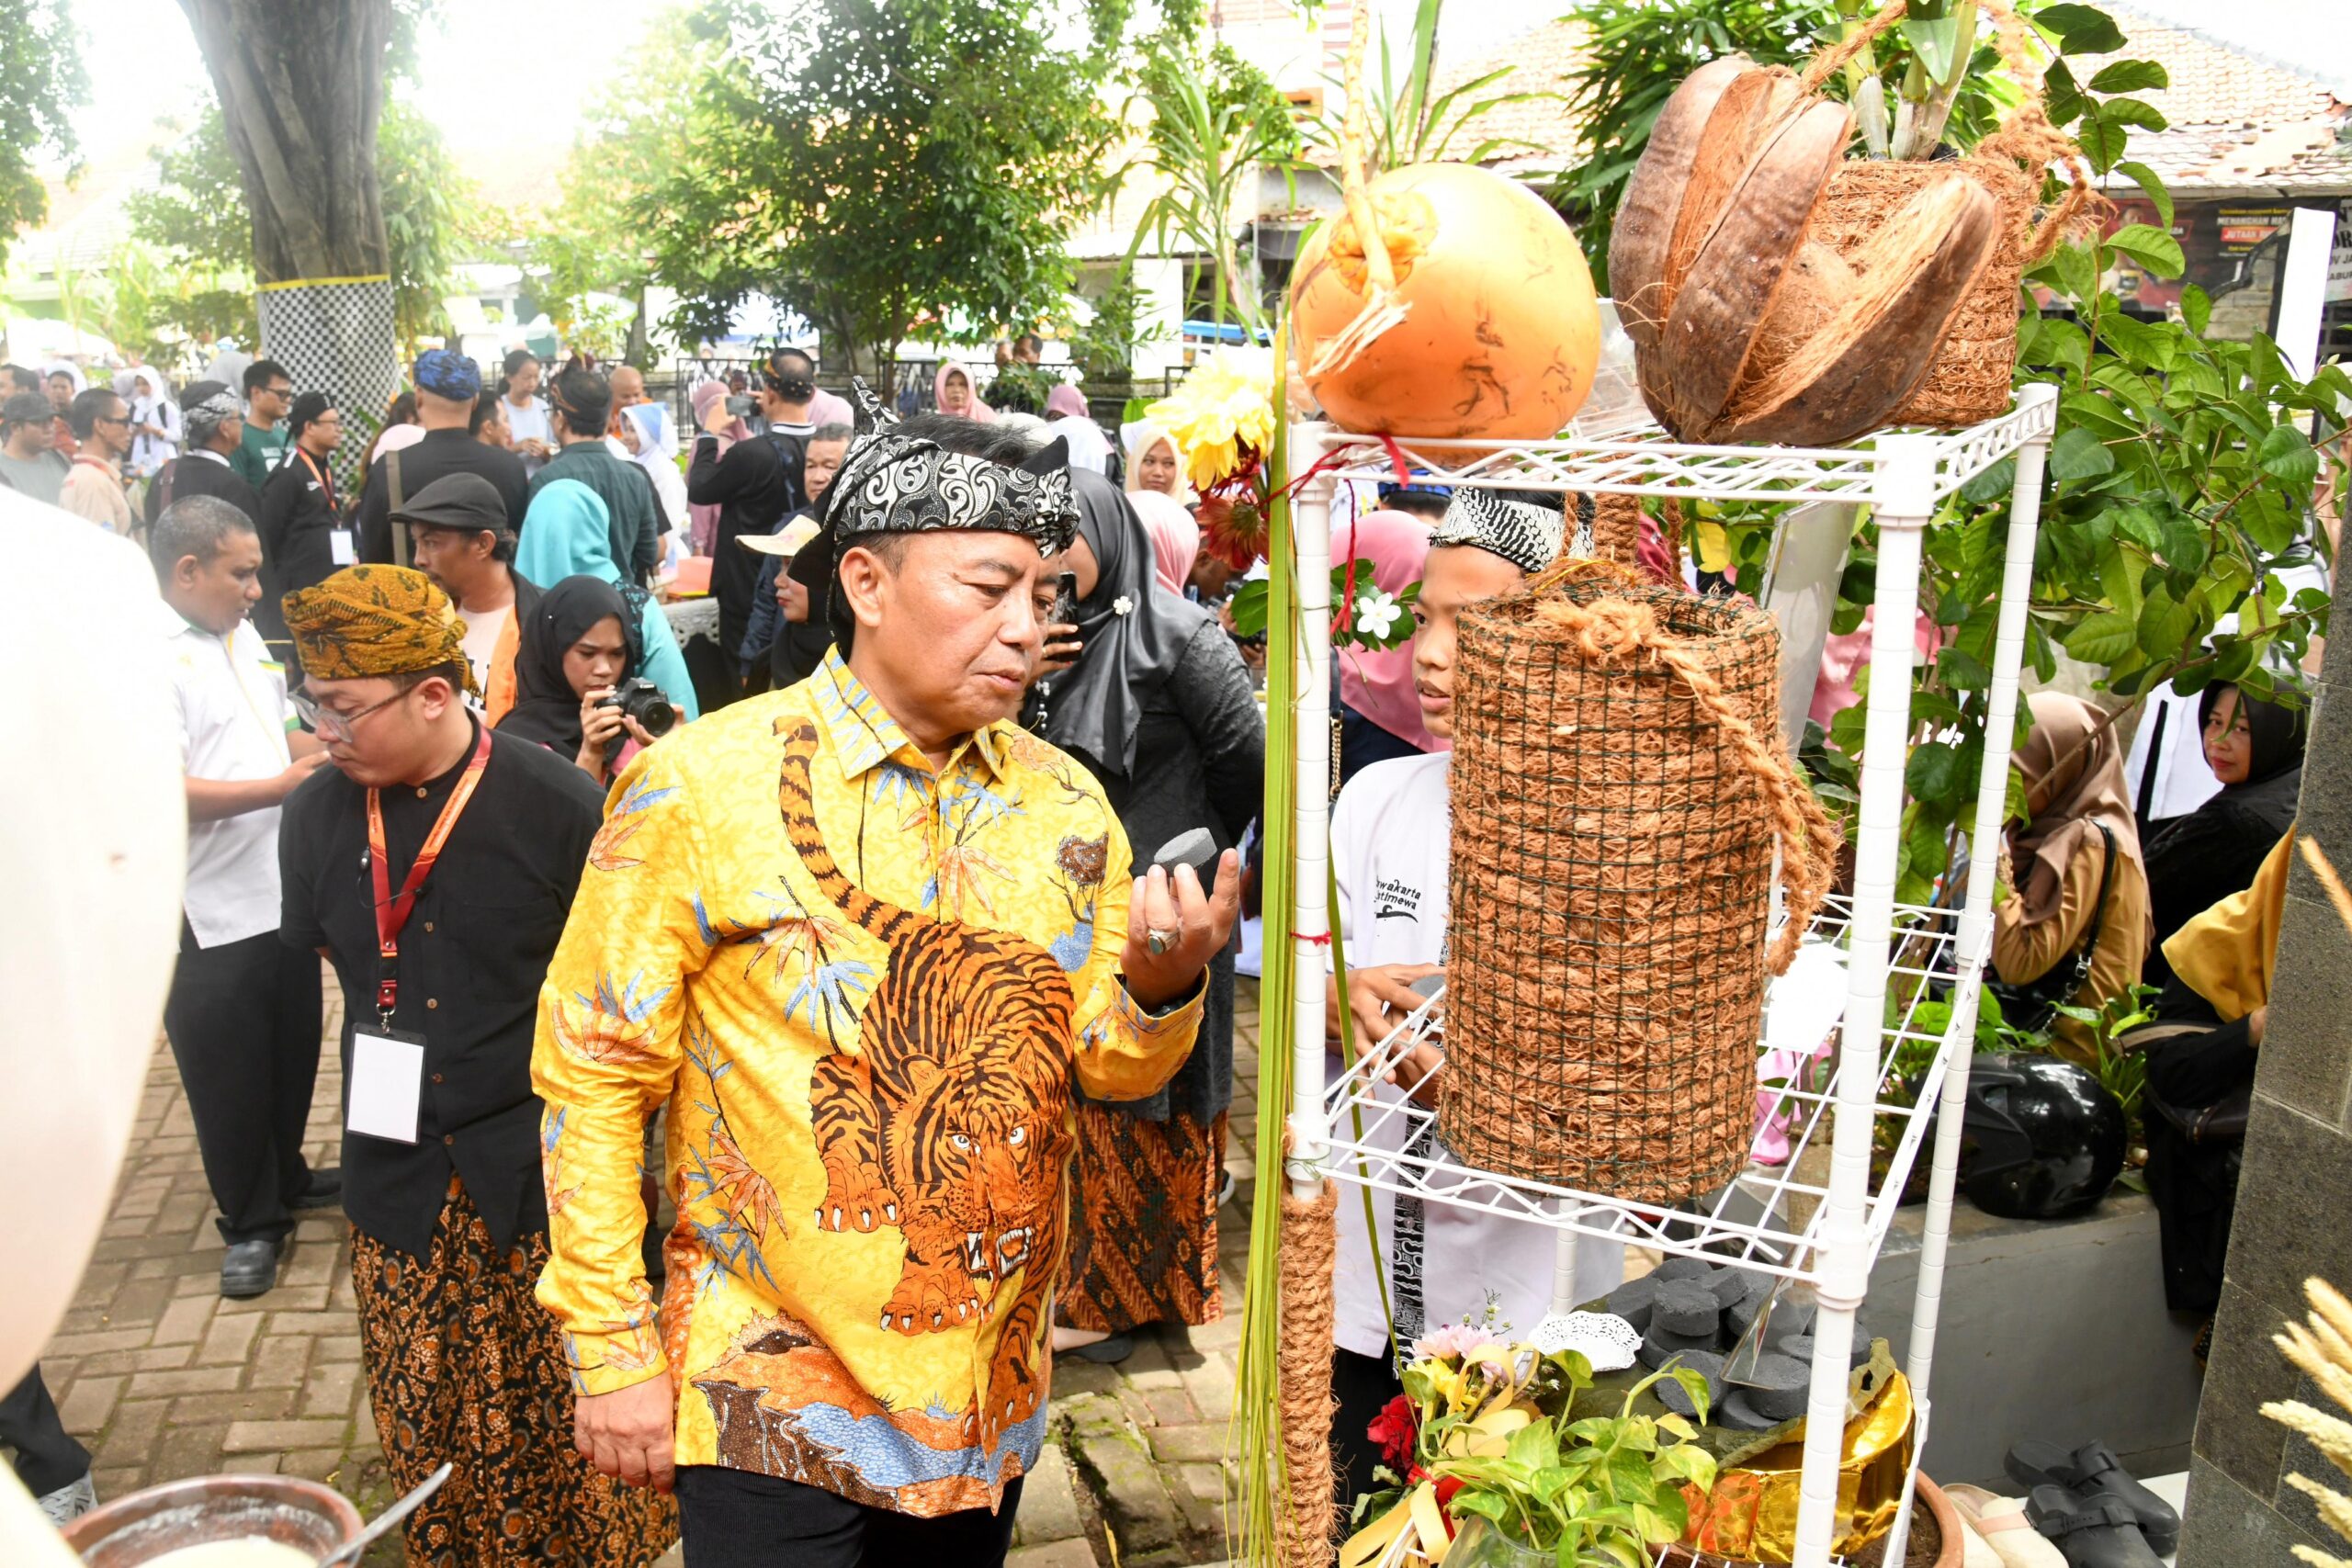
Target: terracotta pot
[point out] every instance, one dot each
(144, 1526)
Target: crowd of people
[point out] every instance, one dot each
(676, 971)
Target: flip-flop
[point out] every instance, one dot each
(2091, 1472)
(2092, 1533)
(2002, 1524)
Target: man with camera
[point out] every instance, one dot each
(434, 864)
(584, 412)
(755, 484)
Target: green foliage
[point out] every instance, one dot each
(881, 167)
(591, 239)
(41, 81)
(1106, 345)
(1213, 122)
(1408, 125)
(1604, 1489)
(196, 223)
(1021, 388)
(1375, 619)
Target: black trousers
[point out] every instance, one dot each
(1363, 1386)
(733, 1518)
(243, 1022)
(48, 1459)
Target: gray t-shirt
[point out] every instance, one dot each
(40, 476)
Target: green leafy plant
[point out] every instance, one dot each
(1407, 121)
(1375, 618)
(1213, 122)
(1106, 344)
(883, 168)
(42, 81)
(1606, 1490)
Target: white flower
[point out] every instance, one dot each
(1122, 606)
(1376, 613)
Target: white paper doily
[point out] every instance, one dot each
(1606, 1340)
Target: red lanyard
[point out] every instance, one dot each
(392, 912)
(327, 481)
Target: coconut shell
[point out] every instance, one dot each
(1744, 261)
(1500, 333)
(1853, 372)
(1654, 195)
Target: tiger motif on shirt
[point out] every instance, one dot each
(948, 1122)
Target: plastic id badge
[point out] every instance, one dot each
(387, 1077)
(344, 547)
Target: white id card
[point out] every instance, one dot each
(387, 1076)
(345, 548)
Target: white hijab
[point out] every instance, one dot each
(657, 453)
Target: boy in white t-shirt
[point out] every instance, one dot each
(1390, 840)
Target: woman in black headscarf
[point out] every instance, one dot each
(578, 644)
(1158, 707)
(2256, 749)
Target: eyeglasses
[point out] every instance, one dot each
(327, 722)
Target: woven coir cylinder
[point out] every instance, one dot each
(1968, 380)
(1618, 788)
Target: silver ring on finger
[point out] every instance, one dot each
(1158, 941)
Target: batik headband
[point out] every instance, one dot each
(891, 483)
(1526, 535)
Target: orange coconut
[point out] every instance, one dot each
(1501, 332)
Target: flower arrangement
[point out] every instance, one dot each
(1223, 420)
(1486, 1430)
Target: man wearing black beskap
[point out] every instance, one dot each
(446, 384)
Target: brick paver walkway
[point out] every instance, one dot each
(162, 1379)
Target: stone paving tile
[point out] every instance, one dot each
(162, 1380)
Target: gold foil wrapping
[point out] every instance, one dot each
(1752, 1515)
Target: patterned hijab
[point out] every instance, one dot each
(376, 620)
(1526, 535)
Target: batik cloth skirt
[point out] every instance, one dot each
(1142, 1222)
(464, 1365)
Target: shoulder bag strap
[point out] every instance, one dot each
(400, 535)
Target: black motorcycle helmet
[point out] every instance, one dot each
(2043, 1138)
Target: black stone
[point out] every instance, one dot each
(1658, 1347)
(1682, 1269)
(1677, 1398)
(1633, 1301)
(2232, 1432)
(1739, 1415)
(2227, 1527)
(1687, 1307)
(2305, 1064)
(2290, 1220)
(1730, 1286)
(1777, 1387)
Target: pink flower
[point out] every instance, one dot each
(1453, 1340)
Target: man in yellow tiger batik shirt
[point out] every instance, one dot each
(861, 936)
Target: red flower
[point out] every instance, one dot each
(1447, 1485)
(1397, 1428)
(1233, 531)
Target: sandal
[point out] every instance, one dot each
(2002, 1524)
(2092, 1471)
(2099, 1531)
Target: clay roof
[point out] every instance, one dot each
(2236, 122)
(1539, 60)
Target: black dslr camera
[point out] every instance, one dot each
(643, 701)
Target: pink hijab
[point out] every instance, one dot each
(1065, 401)
(978, 411)
(1378, 682)
(1175, 537)
(829, 407)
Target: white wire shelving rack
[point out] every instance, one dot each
(1824, 1234)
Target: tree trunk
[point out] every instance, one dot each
(301, 89)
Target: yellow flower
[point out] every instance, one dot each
(1224, 409)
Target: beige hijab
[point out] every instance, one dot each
(2074, 781)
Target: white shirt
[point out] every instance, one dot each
(233, 718)
(529, 422)
(1391, 833)
(484, 628)
(1089, 447)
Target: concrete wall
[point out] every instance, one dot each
(2050, 1330)
(2294, 1195)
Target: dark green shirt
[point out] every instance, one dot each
(258, 457)
(636, 524)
